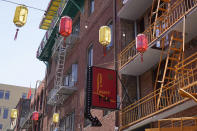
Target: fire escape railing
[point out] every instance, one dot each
(147, 107)
(163, 24)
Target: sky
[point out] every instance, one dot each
(18, 63)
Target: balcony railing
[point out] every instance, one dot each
(147, 106)
(58, 95)
(25, 122)
(163, 24)
(176, 124)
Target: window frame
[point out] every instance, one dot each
(90, 58)
(7, 95)
(110, 25)
(70, 122)
(91, 7)
(2, 94)
(5, 113)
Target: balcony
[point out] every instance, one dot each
(69, 8)
(60, 94)
(26, 122)
(128, 11)
(182, 124)
(173, 20)
(145, 110)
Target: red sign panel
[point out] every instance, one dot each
(104, 88)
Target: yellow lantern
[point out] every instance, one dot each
(13, 113)
(20, 17)
(104, 35)
(55, 117)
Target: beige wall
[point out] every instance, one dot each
(15, 94)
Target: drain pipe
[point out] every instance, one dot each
(115, 57)
(138, 78)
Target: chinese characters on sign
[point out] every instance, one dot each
(104, 88)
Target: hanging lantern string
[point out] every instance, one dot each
(22, 4)
(15, 37)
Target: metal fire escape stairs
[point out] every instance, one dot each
(174, 50)
(158, 8)
(61, 54)
(174, 56)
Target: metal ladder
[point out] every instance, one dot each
(162, 6)
(174, 56)
(60, 66)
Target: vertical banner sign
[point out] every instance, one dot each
(104, 88)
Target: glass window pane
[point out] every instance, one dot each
(1, 94)
(1, 126)
(91, 6)
(90, 56)
(7, 95)
(5, 113)
(111, 43)
(74, 72)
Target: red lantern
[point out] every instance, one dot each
(141, 44)
(65, 27)
(35, 116)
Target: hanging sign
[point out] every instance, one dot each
(104, 88)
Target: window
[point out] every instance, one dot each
(7, 95)
(1, 94)
(5, 113)
(0, 111)
(62, 125)
(1, 126)
(24, 95)
(71, 78)
(74, 72)
(91, 7)
(76, 27)
(90, 56)
(69, 122)
(111, 43)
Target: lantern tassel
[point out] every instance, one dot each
(104, 50)
(15, 37)
(64, 41)
(141, 57)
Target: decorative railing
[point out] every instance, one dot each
(147, 106)
(158, 29)
(25, 119)
(49, 31)
(176, 124)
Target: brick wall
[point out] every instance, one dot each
(102, 15)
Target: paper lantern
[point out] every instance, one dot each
(55, 117)
(20, 17)
(104, 37)
(35, 116)
(141, 44)
(13, 114)
(65, 27)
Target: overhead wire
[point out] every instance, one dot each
(23, 4)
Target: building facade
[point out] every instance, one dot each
(26, 109)
(157, 83)
(161, 88)
(9, 97)
(67, 66)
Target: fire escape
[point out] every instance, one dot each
(60, 91)
(175, 80)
